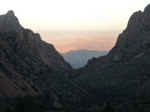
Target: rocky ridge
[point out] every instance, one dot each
(31, 67)
(122, 76)
(132, 42)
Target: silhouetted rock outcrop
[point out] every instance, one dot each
(28, 65)
(27, 40)
(122, 76)
(133, 41)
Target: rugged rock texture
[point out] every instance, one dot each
(132, 42)
(25, 40)
(31, 70)
(30, 66)
(122, 76)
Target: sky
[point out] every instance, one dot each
(75, 24)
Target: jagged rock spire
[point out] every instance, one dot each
(147, 8)
(11, 13)
(9, 22)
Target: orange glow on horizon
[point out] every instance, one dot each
(103, 44)
(73, 40)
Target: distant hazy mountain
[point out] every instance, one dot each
(79, 58)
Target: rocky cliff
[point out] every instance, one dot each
(25, 41)
(28, 65)
(32, 69)
(122, 76)
(132, 42)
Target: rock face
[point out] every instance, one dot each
(15, 87)
(123, 74)
(133, 41)
(32, 67)
(26, 40)
(25, 60)
(9, 22)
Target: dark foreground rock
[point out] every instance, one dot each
(32, 67)
(122, 77)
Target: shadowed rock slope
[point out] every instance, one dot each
(122, 76)
(32, 67)
(23, 52)
(24, 40)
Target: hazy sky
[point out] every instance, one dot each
(47, 15)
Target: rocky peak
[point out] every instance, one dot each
(135, 38)
(26, 61)
(132, 42)
(9, 22)
(10, 13)
(134, 20)
(28, 42)
(147, 8)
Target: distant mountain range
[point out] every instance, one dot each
(79, 58)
